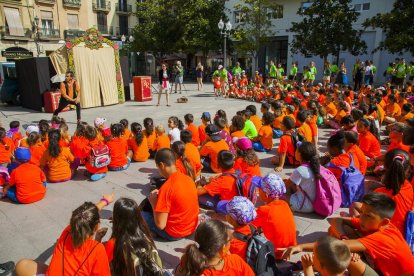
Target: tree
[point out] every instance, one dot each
(254, 26)
(398, 26)
(178, 26)
(327, 29)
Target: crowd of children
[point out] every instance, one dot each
(371, 239)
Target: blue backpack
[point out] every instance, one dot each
(351, 182)
(409, 230)
(246, 184)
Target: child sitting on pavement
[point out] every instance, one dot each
(211, 148)
(247, 160)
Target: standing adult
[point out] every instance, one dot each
(359, 73)
(199, 74)
(280, 72)
(368, 72)
(293, 71)
(313, 72)
(354, 71)
(70, 94)
(401, 73)
(164, 83)
(334, 71)
(374, 71)
(179, 75)
(327, 74)
(272, 71)
(342, 75)
(236, 69)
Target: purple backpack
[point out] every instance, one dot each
(229, 76)
(328, 193)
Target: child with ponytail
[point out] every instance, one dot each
(58, 162)
(182, 163)
(176, 125)
(247, 160)
(137, 144)
(6, 148)
(119, 149)
(396, 185)
(150, 134)
(36, 147)
(209, 254)
(303, 178)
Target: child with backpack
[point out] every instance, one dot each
(137, 144)
(209, 253)
(275, 218)
(286, 150)
(247, 160)
(119, 149)
(264, 140)
(96, 154)
(330, 257)
(351, 146)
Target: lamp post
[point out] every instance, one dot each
(37, 35)
(128, 42)
(225, 32)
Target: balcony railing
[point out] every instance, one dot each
(72, 3)
(5, 33)
(125, 32)
(98, 5)
(50, 2)
(46, 34)
(103, 29)
(122, 8)
(72, 33)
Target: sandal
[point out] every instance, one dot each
(168, 105)
(158, 104)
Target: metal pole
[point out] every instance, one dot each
(225, 50)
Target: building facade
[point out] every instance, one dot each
(39, 27)
(278, 49)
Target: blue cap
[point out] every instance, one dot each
(22, 154)
(206, 115)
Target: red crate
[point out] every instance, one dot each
(51, 101)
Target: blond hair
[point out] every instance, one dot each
(159, 129)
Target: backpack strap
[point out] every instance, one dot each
(352, 160)
(86, 258)
(245, 238)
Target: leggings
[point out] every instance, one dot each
(63, 103)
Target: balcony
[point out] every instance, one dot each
(101, 6)
(48, 2)
(5, 34)
(71, 33)
(49, 34)
(126, 32)
(121, 8)
(72, 3)
(103, 29)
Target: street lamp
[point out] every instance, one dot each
(225, 31)
(37, 34)
(128, 42)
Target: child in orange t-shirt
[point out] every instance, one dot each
(237, 126)
(221, 188)
(58, 162)
(93, 172)
(137, 144)
(36, 148)
(27, 182)
(182, 163)
(286, 150)
(368, 143)
(162, 140)
(119, 149)
(264, 140)
(304, 128)
(246, 161)
(79, 141)
(330, 108)
(275, 218)
(191, 152)
(64, 135)
(189, 119)
(342, 112)
(351, 146)
(278, 118)
(205, 120)
(211, 148)
(150, 134)
(6, 148)
(13, 133)
(127, 132)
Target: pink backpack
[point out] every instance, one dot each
(328, 193)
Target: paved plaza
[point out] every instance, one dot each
(31, 231)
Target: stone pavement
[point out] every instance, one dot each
(30, 231)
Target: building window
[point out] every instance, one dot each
(13, 22)
(362, 7)
(123, 25)
(102, 22)
(275, 13)
(73, 22)
(47, 22)
(238, 17)
(306, 5)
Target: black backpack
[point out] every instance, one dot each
(260, 254)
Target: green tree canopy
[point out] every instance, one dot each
(326, 28)
(398, 26)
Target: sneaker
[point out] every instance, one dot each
(6, 268)
(97, 176)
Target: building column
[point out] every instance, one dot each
(377, 55)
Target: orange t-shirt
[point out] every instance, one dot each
(331, 109)
(233, 266)
(162, 141)
(403, 119)
(278, 225)
(87, 154)
(109, 248)
(393, 110)
(362, 160)
(178, 197)
(306, 131)
(212, 149)
(141, 152)
(150, 139)
(286, 146)
(381, 114)
(237, 246)
(343, 160)
(28, 179)
(77, 145)
(17, 136)
(223, 185)
(339, 115)
(277, 123)
(388, 250)
(36, 152)
(127, 135)
(179, 164)
(404, 202)
(202, 133)
(239, 134)
(58, 167)
(6, 150)
(192, 154)
(399, 145)
(256, 121)
(314, 126)
(369, 145)
(266, 137)
(195, 135)
(119, 150)
(241, 165)
(95, 265)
